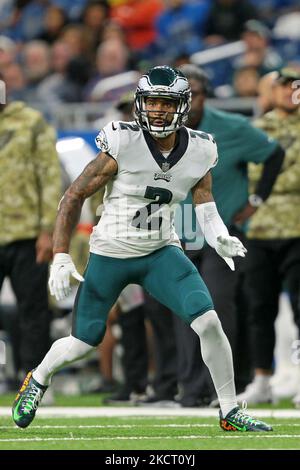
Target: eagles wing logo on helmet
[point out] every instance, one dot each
(163, 82)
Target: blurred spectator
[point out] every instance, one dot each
(27, 19)
(36, 63)
(181, 59)
(79, 40)
(226, 20)
(180, 27)
(14, 79)
(69, 76)
(6, 9)
(78, 74)
(273, 258)
(137, 18)
(94, 17)
(30, 191)
(269, 10)
(8, 51)
(265, 93)
(112, 78)
(36, 59)
(245, 81)
(258, 51)
(54, 21)
(60, 56)
(73, 8)
(112, 58)
(113, 30)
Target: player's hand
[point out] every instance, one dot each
(60, 271)
(227, 247)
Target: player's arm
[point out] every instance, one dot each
(214, 230)
(202, 192)
(95, 175)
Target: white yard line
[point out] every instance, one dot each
(130, 426)
(115, 426)
(120, 412)
(140, 438)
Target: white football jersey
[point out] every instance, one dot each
(140, 201)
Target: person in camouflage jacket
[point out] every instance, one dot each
(30, 189)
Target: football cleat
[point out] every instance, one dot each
(238, 420)
(27, 401)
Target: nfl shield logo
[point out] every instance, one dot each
(165, 167)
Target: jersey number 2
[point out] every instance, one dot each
(159, 196)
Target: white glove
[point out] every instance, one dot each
(227, 247)
(59, 280)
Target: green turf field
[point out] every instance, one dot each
(132, 433)
(140, 432)
(97, 400)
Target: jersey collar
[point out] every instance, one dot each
(176, 154)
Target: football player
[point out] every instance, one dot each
(148, 167)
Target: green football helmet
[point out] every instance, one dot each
(163, 82)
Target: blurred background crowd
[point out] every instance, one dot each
(78, 63)
(63, 51)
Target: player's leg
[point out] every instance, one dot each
(104, 280)
(174, 280)
(95, 297)
(193, 375)
(225, 287)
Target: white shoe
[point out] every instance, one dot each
(296, 400)
(284, 390)
(256, 393)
